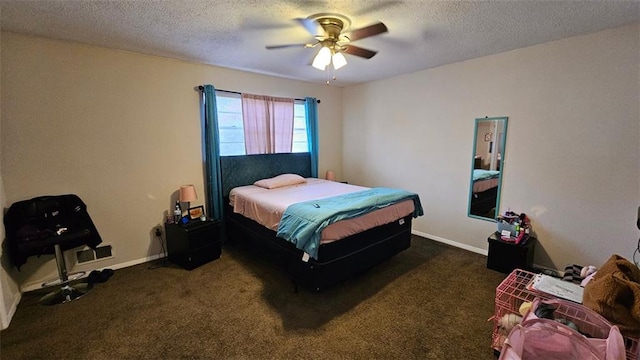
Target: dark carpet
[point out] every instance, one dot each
(431, 301)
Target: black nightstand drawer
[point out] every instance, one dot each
(200, 237)
(194, 258)
(193, 244)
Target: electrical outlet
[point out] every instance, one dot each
(158, 231)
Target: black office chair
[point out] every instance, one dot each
(51, 225)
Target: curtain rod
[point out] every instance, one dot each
(201, 88)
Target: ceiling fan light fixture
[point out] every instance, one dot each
(322, 59)
(339, 60)
(327, 31)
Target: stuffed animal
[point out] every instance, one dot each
(508, 321)
(587, 270)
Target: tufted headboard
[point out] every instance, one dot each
(246, 169)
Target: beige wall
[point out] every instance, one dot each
(121, 130)
(8, 286)
(572, 152)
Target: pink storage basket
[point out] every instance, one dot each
(547, 339)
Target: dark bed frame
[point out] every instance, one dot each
(337, 261)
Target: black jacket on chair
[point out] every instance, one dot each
(34, 226)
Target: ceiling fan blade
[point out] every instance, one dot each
(358, 51)
(367, 31)
(312, 26)
(271, 47)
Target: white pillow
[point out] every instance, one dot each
(280, 181)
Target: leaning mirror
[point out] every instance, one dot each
(487, 164)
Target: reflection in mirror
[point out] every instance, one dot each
(486, 167)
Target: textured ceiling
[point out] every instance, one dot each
(422, 34)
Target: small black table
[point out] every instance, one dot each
(505, 256)
(193, 244)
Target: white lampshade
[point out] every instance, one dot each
(323, 58)
(187, 193)
(339, 60)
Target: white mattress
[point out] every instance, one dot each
(266, 206)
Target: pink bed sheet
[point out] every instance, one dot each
(266, 206)
(483, 185)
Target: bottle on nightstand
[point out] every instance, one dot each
(177, 212)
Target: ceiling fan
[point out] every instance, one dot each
(327, 29)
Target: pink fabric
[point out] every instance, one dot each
(482, 185)
(344, 228)
(266, 206)
(268, 124)
(546, 339)
(280, 181)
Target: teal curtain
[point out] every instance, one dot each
(311, 107)
(211, 139)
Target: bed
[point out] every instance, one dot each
(484, 191)
(336, 257)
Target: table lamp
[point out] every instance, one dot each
(187, 194)
(330, 175)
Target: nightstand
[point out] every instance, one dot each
(505, 256)
(193, 244)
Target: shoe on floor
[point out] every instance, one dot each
(99, 276)
(107, 273)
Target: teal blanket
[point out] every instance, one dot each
(302, 223)
(479, 174)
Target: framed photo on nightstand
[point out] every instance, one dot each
(196, 212)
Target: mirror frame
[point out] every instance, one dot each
(503, 142)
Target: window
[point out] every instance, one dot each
(231, 130)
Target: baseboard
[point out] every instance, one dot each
(6, 320)
(474, 249)
(132, 262)
(38, 285)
